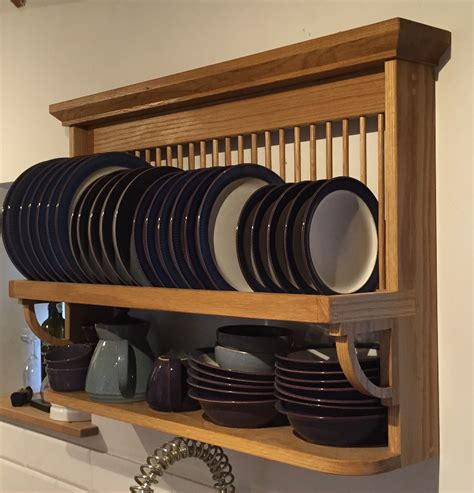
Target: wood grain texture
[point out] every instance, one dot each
(253, 148)
(381, 196)
(228, 152)
(297, 153)
(80, 141)
(191, 156)
(266, 306)
(345, 147)
(278, 443)
(282, 152)
(349, 51)
(240, 149)
(202, 154)
(331, 100)
(363, 149)
(268, 149)
(411, 250)
(313, 173)
(329, 163)
(215, 152)
(29, 416)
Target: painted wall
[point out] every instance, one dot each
(54, 50)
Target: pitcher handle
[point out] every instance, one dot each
(127, 370)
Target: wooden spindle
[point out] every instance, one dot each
(215, 152)
(253, 148)
(381, 197)
(268, 149)
(345, 147)
(312, 153)
(329, 171)
(363, 150)
(169, 156)
(297, 153)
(240, 149)
(147, 155)
(281, 151)
(228, 152)
(202, 154)
(158, 156)
(191, 156)
(180, 156)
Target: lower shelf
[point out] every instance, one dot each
(34, 417)
(278, 443)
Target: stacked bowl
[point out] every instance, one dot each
(66, 367)
(234, 383)
(321, 404)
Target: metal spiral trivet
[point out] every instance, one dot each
(182, 448)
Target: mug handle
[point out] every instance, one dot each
(127, 370)
(175, 396)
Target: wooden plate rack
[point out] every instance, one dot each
(298, 110)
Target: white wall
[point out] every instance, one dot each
(58, 49)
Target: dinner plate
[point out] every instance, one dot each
(144, 231)
(258, 239)
(276, 238)
(122, 222)
(10, 220)
(339, 237)
(106, 227)
(218, 218)
(80, 230)
(190, 220)
(244, 232)
(293, 246)
(82, 172)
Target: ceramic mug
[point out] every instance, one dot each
(167, 388)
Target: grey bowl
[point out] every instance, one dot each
(232, 359)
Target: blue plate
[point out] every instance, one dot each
(217, 249)
(124, 212)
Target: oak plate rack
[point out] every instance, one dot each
(377, 80)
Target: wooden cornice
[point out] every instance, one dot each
(363, 48)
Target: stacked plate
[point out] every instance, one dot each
(321, 404)
(237, 399)
(114, 219)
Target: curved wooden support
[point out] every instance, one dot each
(35, 327)
(346, 353)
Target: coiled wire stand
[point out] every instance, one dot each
(182, 448)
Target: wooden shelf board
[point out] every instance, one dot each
(264, 306)
(30, 416)
(278, 443)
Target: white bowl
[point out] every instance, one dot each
(232, 359)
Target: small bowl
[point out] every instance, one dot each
(240, 414)
(355, 431)
(307, 377)
(67, 379)
(312, 409)
(205, 359)
(283, 394)
(325, 359)
(255, 338)
(231, 359)
(229, 395)
(216, 384)
(69, 357)
(203, 373)
(322, 393)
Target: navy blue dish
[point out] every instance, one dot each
(206, 212)
(122, 223)
(244, 231)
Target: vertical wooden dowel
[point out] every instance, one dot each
(137, 154)
(297, 153)
(202, 154)
(147, 155)
(253, 148)
(363, 150)
(345, 147)
(180, 156)
(191, 156)
(381, 197)
(328, 150)
(169, 156)
(228, 152)
(158, 156)
(282, 153)
(268, 149)
(240, 149)
(215, 152)
(312, 153)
